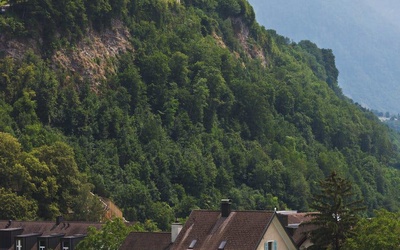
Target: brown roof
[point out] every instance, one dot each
(300, 233)
(147, 241)
(68, 228)
(297, 218)
(241, 230)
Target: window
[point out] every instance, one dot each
(191, 246)
(42, 245)
(222, 245)
(271, 245)
(65, 245)
(18, 244)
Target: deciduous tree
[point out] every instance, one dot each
(380, 232)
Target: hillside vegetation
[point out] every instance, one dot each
(202, 104)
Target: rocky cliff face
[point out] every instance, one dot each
(95, 56)
(92, 58)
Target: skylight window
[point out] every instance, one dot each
(222, 245)
(191, 246)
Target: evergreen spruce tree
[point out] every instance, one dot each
(336, 215)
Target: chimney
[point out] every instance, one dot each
(284, 218)
(9, 223)
(59, 219)
(175, 229)
(225, 207)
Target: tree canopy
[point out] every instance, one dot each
(336, 213)
(206, 104)
(378, 232)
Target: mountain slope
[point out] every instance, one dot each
(362, 34)
(203, 104)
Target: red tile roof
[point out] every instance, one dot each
(147, 241)
(241, 230)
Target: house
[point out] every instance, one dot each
(298, 227)
(233, 230)
(220, 230)
(43, 235)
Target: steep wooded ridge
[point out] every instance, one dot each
(165, 106)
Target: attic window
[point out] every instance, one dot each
(191, 246)
(222, 245)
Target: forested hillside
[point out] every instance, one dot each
(203, 103)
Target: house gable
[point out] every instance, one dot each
(220, 230)
(240, 230)
(277, 236)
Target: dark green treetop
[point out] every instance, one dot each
(337, 213)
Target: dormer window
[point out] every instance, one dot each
(42, 244)
(18, 244)
(51, 241)
(222, 245)
(26, 241)
(70, 242)
(7, 236)
(192, 244)
(65, 245)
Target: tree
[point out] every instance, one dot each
(380, 232)
(337, 213)
(10, 151)
(15, 207)
(60, 160)
(110, 236)
(229, 8)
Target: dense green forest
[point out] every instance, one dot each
(208, 104)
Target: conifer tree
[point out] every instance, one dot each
(336, 215)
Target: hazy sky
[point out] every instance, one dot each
(363, 34)
(388, 8)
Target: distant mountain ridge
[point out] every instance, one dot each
(363, 35)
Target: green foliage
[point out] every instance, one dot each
(191, 115)
(336, 213)
(15, 207)
(378, 232)
(229, 8)
(46, 179)
(12, 26)
(110, 236)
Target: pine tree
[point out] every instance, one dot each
(336, 214)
